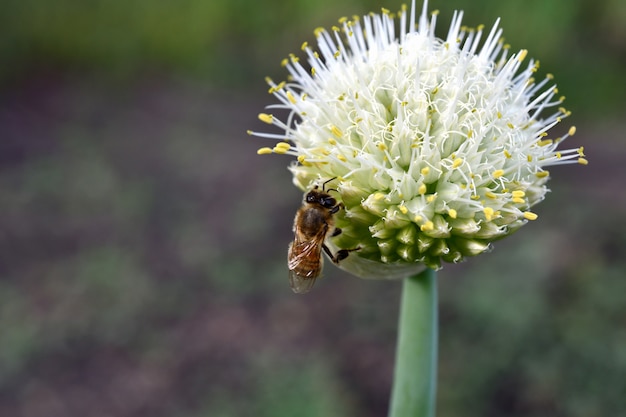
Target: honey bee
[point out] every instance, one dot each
(313, 224)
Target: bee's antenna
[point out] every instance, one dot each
(326, 182)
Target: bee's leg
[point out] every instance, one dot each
(328, 252)
(336, 232)
(340, 255)
(336, 208)
(343, 254)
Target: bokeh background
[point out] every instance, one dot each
(143, 241)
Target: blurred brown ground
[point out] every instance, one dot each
(143, 242)
(142, 251)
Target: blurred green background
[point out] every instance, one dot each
(143, 241)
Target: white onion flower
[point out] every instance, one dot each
(438, 146)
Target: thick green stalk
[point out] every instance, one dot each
(415, 376)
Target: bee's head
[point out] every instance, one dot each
(320, 197)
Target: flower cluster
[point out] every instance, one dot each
(438, 146)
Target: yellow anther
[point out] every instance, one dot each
(583, 161)
(431, 198)
(507, 154)
(480, 27)
(403, 209)
(424, 171)
(558, 155)
(422, 189)
(266, 118)
(499, 115)
(522, 55)
(491, 195)
(529, 158)
(498, 173)
(572, 131)
(332, 141)
(305, 44)
(284, 62)
(264, 151)
(381, 146)
(291, 98)
(581, 151)
(337, 54)
(529, 215)
(510, 125)
(342, 158)
(379, 196)
(470, 133)
(545, 142)
(549, 76)
(284, 145)
(452, 213)
(343, 20)
(518, 200)
(318, 31)
(488, 213)
(279, 150)
(518, 194)
(428, 226)
(301, 159)
(336, 131)
(313, 71)
(542, 174)
(457, 163)
(417, 218)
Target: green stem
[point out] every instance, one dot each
(415, 376)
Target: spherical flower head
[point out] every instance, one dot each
(438, 146)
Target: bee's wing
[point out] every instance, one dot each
(300, 284)
(305, 262)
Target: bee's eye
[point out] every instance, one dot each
(328, 202)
